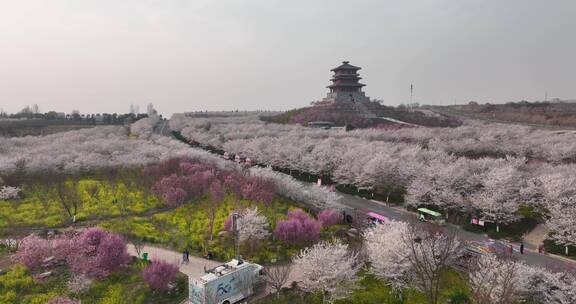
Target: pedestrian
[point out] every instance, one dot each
(521, 248)
(422, 218)
(511, 250)
(187, 252)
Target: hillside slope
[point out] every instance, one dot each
(364, 115)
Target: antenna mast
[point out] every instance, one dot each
(236, 236)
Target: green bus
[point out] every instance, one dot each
(427, 215)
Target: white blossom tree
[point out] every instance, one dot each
(430, 252)
(411, 256)
(495, 280)
(545, 286)
(560, 201)
(490, 169)
(9, 193)
(562, 221)
(499, 198)
(329, 268)
(287, 186)
(388, 253)
(252, 226)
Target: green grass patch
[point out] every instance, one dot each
(17, 286)
(97, 199)
(372, 290)
(552, 247)
(188, 226)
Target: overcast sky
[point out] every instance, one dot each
(103, 55)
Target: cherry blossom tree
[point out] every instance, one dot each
(495, 280)
(388, 253)
(32, 251)
(144, 128)
(259, 189)
(431, 251)
(499, 198)
(252, 226)
(559, 195)
(92, 148)
(545, 286)
(159, 275)
(327, 267)
(277, 275)
(96, 252)
(9, 193)
(329, 217)
(562, 221)
(289, 187)
(412, 256)
(299, 228)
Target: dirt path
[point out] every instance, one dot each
(194, 268)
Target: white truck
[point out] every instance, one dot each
(226, 284)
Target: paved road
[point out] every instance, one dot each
(530, 256)
(194, 268)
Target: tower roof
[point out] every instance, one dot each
(345, 66)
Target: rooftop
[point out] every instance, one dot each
(346, 66)
(222, 270)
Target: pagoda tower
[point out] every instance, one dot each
(345, 85)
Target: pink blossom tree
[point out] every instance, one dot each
(259, 189)
(96, 252)
(159, 275)
(299, 228)
(289, 231)
(32, 251)
(329, 217)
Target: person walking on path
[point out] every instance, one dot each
(541, 249)
(185, 257)
(521, 248)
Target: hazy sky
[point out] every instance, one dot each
(102, 55)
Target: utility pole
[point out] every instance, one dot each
(411, 95)
(235, 217)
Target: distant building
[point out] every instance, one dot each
(345, 85)
(99, 118)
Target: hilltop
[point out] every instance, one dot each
(364, 115)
